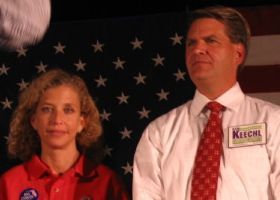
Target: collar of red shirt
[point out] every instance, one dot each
(37, 169)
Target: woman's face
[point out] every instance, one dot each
(58, 118)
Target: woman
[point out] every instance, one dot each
(55, 130)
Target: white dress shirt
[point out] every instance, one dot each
(165, 154)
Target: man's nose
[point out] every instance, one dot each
(199, 48)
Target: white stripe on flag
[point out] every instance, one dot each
(260, 77)
(273, 97)
(264, 50)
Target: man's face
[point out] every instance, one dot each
(210, 55)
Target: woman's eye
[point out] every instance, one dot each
(68, 110)
(47, 109)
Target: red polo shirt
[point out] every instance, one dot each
(33, 180)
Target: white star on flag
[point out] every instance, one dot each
(98, 46)
(4, 70)
(6, 104)
(123, 98)
(41, 67)
(140, 79)
(108, 151)
(162, 95)
(80, 65)
(158, 60)
(105, 116)
(101, 81)
(137, 44)
(21, 51)
(59, 48)
(125, 133)
(127, 169)
(22, 85)
(119, 63)
(179, 75)
(6, 138)
(144, 113)
(176, 39)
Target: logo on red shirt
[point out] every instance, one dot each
(29, 194)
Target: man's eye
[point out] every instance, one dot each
(211, 40)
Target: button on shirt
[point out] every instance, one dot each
(84, 181)
(165, 154)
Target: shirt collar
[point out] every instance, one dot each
(231, 99)
(36, 168)
(85, 167)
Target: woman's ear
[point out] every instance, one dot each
(82, 124)
(33, 122)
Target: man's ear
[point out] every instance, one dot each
(240, 53)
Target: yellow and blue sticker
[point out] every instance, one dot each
(247, 135)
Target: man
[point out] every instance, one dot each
(249, 164)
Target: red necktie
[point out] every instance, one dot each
(207, 161)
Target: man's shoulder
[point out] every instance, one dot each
(263, 107)
(174, 113)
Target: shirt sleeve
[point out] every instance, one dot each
(273, 148)
(147, 181)
(23, 22)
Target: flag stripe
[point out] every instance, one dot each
(264, 50)
(263, 20)
(260, 78)
(273, 97)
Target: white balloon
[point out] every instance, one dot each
(23, 22)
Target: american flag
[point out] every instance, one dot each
(134, 68)
(260, 77)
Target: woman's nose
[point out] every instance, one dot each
(56, 118)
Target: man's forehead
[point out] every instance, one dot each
(206, 27)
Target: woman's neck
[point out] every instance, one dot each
(59, 161)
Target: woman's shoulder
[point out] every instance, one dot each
(14, 173)
(104, 170)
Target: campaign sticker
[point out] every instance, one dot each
(29, 194)
(247, 135)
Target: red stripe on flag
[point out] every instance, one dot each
(263, 20)
(260, 79)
